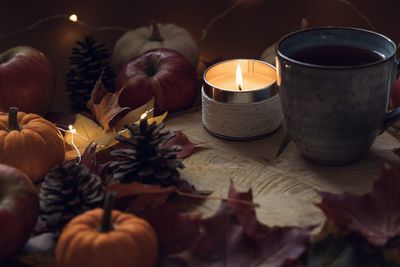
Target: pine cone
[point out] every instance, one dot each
(144, 159)
(69, 190)
(87, 61)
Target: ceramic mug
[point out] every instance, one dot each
(333, 113)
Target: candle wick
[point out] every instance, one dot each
(240, 87)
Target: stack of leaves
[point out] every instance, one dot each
(89, 60)
(110, 118)
(361, 230)
(231, 237)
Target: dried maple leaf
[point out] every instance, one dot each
(375, 215)
(234, 237)
(176, 231)
(87, 131)
(105, 106)
(180, 139)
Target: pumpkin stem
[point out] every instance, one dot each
(12, 119)
(155, 34)
(106, 225)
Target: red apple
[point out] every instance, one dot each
(163, 74)
(26, 80)
(19, 208)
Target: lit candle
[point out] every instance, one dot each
(240, 81)
(240, 99)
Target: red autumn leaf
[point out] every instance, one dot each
(234, 237)
(375, 215)
(105, 106)
(176, 231)
(180, 139)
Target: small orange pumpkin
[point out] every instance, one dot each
(30, 143)
(106, 238)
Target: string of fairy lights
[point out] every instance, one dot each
(73, 18)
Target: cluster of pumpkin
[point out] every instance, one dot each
(31, 146)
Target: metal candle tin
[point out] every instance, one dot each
(241, 115)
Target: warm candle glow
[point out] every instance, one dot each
(73, 18)
(239, 77)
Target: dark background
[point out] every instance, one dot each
(245, 32)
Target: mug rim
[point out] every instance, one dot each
(316, 66)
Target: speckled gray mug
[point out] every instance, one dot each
(334, 113)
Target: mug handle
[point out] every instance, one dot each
(393, 116)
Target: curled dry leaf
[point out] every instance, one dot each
(180, 139)
(105, 106)
(375, 215)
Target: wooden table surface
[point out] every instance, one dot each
(286, 188)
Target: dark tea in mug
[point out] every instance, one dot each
(334, 85)
(337, 55)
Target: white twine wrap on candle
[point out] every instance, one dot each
(241, 121)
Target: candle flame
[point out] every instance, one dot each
(239, 77)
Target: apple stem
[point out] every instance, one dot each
(106, 225)
(13, 120)
(155, 34)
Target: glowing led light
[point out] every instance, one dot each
(144, 115)
(73, 18)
